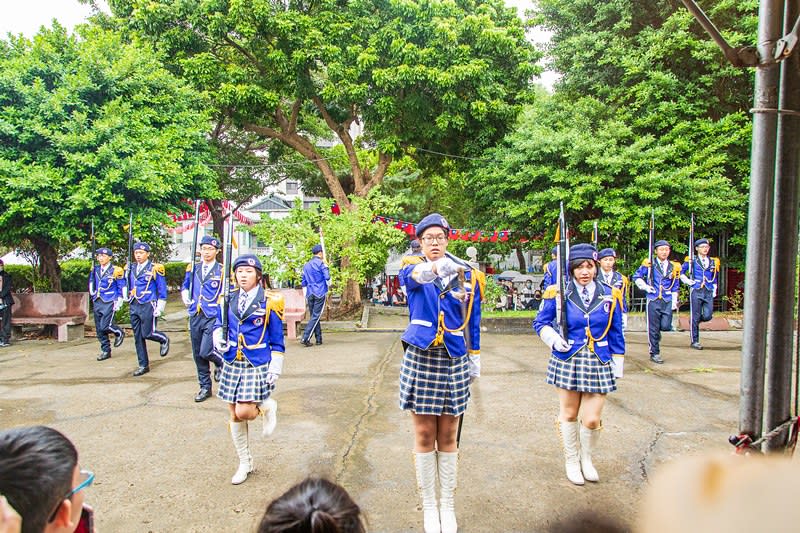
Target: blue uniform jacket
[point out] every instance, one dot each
(603, 318)
(664, 285)
(550, 273)
(150, 285)
(315, 277)
(435, 313)
(206, 291)
(108, 286)
(258, 333)
(705, 277)
(618, 281)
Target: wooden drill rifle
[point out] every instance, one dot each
(129, 278)
(651, 237)
(226, 275)
(691, 248)
(92, 286)
(562, 258)
(194, 247)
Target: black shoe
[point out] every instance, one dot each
(305, 343)
(217, 374)
(696, 346)
(118, 340)
(142, 370)
(319, 342)
(3, 344)
(656, 358)
(164, 348)
(203, 395)
(103, 356)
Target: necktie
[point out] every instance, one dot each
(586, 297)
(242, 304)
(205, 271)
(664, 269)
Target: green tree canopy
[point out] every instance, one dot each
(92, 128)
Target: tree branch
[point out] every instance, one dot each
(256, 63)
(344, 135)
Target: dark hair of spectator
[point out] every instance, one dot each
(36, 468)
(313, 506)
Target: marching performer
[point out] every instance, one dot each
(148, 298)
(442, 356)
(607, 258)
(660, 281)
(550, 270)
(702, 281)
(583, 363)
(202, 305)
(253, 357)
(106, 287)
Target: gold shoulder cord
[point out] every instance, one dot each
(439, 339)
(617, 297)
(240, 339)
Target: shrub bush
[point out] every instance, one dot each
(21, 277)
(75, 275)
(176, 271)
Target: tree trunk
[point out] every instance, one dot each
(521, 259)
(49, 268)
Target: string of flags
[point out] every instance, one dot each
(205, 217)
(455, 234)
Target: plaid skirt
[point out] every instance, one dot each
(243, 382)
(582, 373)
(433, 383)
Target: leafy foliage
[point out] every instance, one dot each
(92, 127)
(356, 249)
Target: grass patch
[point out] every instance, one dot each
(508, 314)
(702, 370)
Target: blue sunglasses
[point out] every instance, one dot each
(89, 479)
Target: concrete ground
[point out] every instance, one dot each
(164, 463)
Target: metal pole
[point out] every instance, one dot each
(780, 330)
(759, 228)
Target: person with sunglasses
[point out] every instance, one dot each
(41, 478)
(442, 356)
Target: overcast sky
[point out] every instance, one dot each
(27, 16)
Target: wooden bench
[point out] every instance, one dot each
(294, 311)
(67, 311)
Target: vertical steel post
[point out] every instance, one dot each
(759, 228)
(780, 329)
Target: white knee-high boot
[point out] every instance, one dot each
(239, 435)
(448, 475)
(425, 464)
(571, 445)
(589, 439)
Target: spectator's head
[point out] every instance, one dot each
(313, 506)
(39, 476)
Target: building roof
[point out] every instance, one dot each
(270, 203)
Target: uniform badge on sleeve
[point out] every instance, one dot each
(607, 307)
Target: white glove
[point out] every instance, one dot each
(474, 366)
(555, 341)
(617, 363)
(220, 343)
(305, 290)
(160, 305)
(118, 304)
(642, 284)
(275, 368)
(446, 267)
(688, 281)
(185, 297)
(125, 293)
(674, 300)
(624, 320)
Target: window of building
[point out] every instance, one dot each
(292, 187)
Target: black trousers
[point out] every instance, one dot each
(201, 330)
(143, 322)
(659, 318)
(5, 323)
(104, 323)
(701, 305)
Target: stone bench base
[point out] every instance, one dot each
(66, 328)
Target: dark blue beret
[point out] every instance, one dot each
(606, 252)
(247, 260)
(582, 252)
(698, 242)
(106, 251)
(415, 245)
(317, 248)
(554, 251)
(660, 243)
(434, 219)
(213, 241)
(141, 246)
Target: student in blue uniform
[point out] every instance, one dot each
(660, 295)
(702, 287)
(106, 287)
(607, 258)
(442, 356)
(584, 362)
(550, 269)
(148, 298)
(202, 305)
(315, 280)
(253, 357)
